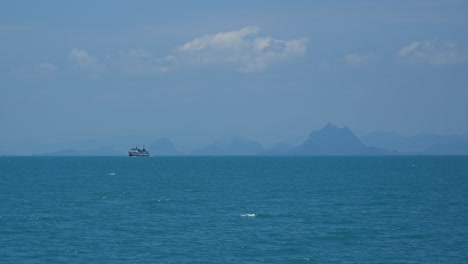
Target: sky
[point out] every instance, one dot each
(198, 71)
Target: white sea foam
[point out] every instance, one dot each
(111, 173)
(248, 215)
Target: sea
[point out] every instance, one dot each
(323, 209)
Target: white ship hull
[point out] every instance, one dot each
(137, 155)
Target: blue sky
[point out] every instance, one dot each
(196, 71)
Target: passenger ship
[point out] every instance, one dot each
(137, 152)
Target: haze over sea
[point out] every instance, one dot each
(366, 209)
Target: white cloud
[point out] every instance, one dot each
(433, 52)
(83, 59)
(86, 62)
(242, 49)
(223, 40)
(403, 52)
(360, 59)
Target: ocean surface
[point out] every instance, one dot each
(405, 209)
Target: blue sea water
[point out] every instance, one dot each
(234, 209)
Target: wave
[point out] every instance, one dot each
(249, 215)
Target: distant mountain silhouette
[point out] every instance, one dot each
(236, 146)
(162, 147)
(331, 140)
(424, 143)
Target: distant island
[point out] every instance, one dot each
(332, 140)
(329, 140)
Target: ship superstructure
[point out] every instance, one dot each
(138, 152)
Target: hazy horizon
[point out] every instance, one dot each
(389, 142)
(198, 72)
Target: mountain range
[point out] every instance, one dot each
(329, 140)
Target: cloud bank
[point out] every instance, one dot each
(245, 51)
